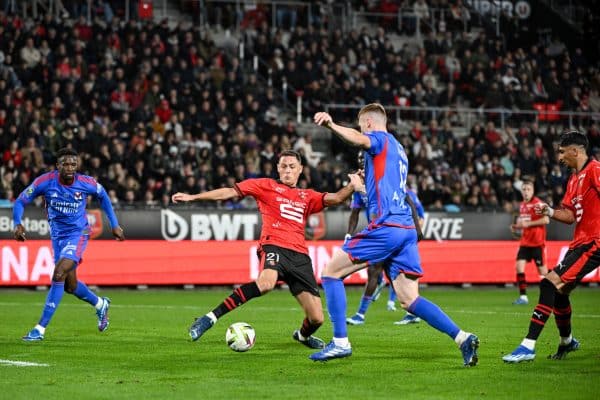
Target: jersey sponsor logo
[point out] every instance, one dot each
(290, 212)
(215, 226)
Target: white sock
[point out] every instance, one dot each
(461, 337)
(361, 315)
(529, 343)
(100, 303)
(566, 340)
(342, 342)
(524, 297)
(40, 328)
(212, 317)
(302, 338)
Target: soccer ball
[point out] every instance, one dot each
(240, 336)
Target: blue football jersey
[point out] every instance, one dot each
(65, 205)
(386, 170)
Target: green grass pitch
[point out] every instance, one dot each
(146, 353)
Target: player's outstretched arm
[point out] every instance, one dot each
(349, 135)
(560, 214)
(217, 194)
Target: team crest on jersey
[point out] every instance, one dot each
(302, 195)
(78, 196)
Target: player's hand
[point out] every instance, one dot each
(542, 209)
(357, 183)
(118, 233)
(178, 197)
(19, 233)
(323, 119)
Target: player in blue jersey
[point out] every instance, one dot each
(375, 279)
(65, 193)
(390, 238)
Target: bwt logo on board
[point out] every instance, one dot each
(174, 227)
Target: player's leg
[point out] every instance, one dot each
(391, 303)
(83, 292)
(381, 284)
(266, 281)
(313, 310)
(53, 299)
(562, 316)
(577, 263)
(520, 279)
(373, 275)
(338, 267)
(270, 259)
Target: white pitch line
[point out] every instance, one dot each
(199, 307)
(22, 363)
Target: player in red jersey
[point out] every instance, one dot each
(580, 204)
(282, 248)
(533, 239)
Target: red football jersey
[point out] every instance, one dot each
(534, 236)
(284, 211)
(583, 198)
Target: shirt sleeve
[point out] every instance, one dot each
(106, 205)
(31, 192)
(249, 187)
(357, 201)
(317, 201)
(566, 201)
(377, 141)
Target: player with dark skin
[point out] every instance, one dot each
(65, 270)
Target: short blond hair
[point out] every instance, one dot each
(375, 108)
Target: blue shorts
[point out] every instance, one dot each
(395, 247)
(71, 247)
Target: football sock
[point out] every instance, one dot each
(521, 283)
(241, 295)
(528, 343)
(335, 295)
(434, 316)
(84, 293)
(308, 328)
(562, 314)
(55, 295)
(542, 311)
(40, 329)
(392, 293)
(566, 340)
(365, 302)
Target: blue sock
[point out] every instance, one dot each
(84, 293)
(55, 295)
(434, 316)
(392, 293)
(335, 294)
(365, 302)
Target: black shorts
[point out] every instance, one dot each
(578, 262)
(537, 254)
(295, 269)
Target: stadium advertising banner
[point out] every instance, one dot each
(160, 262)
(177, 224)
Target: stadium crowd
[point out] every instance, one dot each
(155, 109)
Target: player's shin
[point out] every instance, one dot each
(335, 295)
(239, 296)
(542, 311)
(84, 293)
(434, 316)
(55, 295)
(562, 316)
